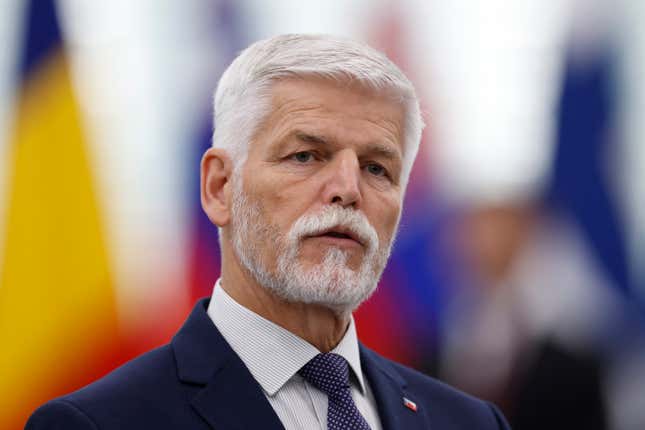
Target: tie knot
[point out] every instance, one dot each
(327, 372)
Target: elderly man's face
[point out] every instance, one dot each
(321, 194)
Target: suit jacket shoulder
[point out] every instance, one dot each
(196, 381)
(143, 393)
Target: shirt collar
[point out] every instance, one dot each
(271, 353)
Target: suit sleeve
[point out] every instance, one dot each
(59, 415)
(499, 417)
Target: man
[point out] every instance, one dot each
(314, 142)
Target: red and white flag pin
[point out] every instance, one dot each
(409, 404)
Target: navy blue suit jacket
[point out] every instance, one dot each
(198, 382)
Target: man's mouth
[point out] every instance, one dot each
(339, 233)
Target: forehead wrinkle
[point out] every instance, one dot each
(393, 139)
(293, 119)
(313, 107)
(292, 112)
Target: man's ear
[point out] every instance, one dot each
(216, 171)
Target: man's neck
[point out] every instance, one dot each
(318, 325)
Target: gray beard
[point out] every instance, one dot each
(330, 283)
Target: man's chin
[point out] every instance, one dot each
(321, 263)
(340, 289)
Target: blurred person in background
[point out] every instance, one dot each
(314, 141)
(548, 303)
(536, 316)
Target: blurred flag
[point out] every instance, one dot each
(204, 254)
(410, 290)
(580, 185)
(57, 314)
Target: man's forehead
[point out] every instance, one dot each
(302, 97)
(281, 88)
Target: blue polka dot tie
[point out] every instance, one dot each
(330, 374)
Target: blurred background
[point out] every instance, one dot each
(519, 271)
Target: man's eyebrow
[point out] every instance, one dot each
(380, 149)
(311, 138)
(384, 151)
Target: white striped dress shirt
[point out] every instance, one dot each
(274, 355)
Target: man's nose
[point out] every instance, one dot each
(343, 183)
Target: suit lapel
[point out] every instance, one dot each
(234, 400)
(389, 389)
(231, 398)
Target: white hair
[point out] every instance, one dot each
(243, 96)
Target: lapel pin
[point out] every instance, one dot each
(409, 404)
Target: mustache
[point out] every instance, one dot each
(332, 217)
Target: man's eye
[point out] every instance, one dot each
(376, 169)
(302, 157)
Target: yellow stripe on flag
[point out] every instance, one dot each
(57, 312)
